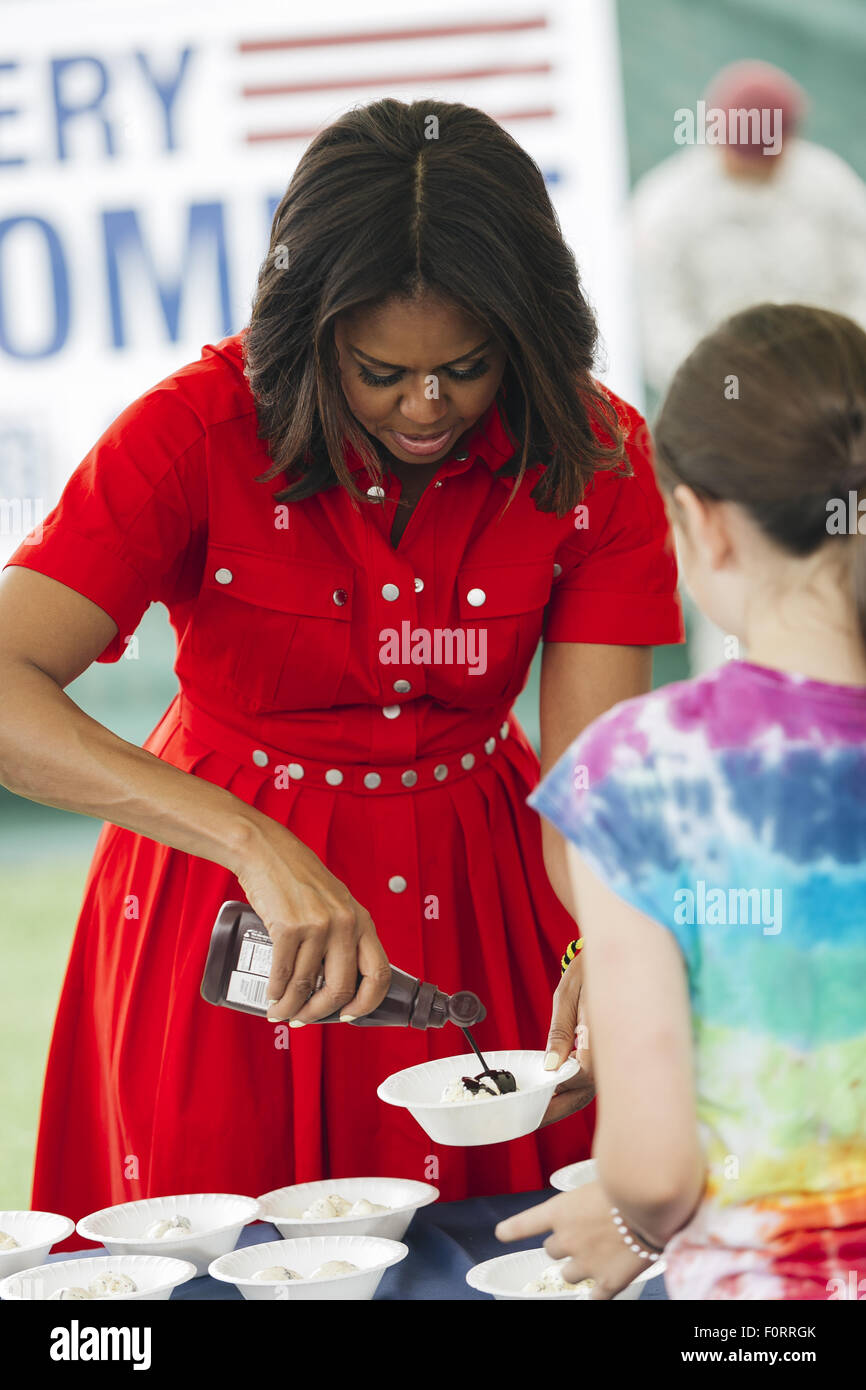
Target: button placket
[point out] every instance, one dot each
(397, 870)
(397, 596)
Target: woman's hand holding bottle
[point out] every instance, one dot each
(316, 927)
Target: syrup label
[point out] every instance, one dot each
(249, 979)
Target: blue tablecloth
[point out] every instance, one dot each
(445, 1240)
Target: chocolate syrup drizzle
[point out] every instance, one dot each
(503, 1080)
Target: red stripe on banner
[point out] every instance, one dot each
(540, 113)
(438, 31)
(397, 79)
(530, 113)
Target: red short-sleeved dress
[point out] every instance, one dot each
(407, 776)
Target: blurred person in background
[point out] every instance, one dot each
(718, 855)
(759, 214)
(407, 435)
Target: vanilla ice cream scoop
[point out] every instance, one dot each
(364, 1207)
(8, 1242)
(340, 1204)
(167, 1230)
(551, 1281)
(326, 1208)
(481, 1087)
(275, 1273)
(334, 1206)
(70, 1292)
(331, 1268)
(106, 1284)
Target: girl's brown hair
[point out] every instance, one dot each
(769, 411)
(393, 200)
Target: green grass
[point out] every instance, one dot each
(40, 907)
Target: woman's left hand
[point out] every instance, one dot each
(568, 1036)
(582, 1228)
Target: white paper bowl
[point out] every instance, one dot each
(35, 1232)
(371, 1254)
(217, 1220)
(477, 1121)
(154, 1275)
(574, 1175)
(402, 1195)
(505, 1276)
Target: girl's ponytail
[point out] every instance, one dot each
(769, 412)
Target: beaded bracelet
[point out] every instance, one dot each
(633, 1245)
(571, 951)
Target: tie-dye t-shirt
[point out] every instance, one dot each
(732, 809)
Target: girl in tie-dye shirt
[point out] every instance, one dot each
(717, 833)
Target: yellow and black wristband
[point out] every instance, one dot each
(571, 951)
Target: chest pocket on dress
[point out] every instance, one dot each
(503, 606)
(276, 629)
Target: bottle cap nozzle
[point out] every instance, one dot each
(465, 1009)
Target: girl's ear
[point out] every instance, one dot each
(705, 524)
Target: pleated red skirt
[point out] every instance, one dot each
(151, 1091)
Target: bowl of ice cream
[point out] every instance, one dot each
(120, 1278)
(197, 1227)
(27, 1236)
(346, 1206)
(574, 1175)
(310, 1267)
(532, 1274)
(451, 1111)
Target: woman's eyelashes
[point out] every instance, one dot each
(471, 374)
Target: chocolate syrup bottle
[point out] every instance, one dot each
(239, 963)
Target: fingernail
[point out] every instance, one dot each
(296, 1023)
(551, 1061)
(348, 1018)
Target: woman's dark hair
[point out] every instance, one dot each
(398, 200)
(769, 411)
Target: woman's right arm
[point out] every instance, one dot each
(54, 753)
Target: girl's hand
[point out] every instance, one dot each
(583, 1229)
(569, 1036)
(316, 927)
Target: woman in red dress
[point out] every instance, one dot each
(362, 513)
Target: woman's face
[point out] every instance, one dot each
(417, 374)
